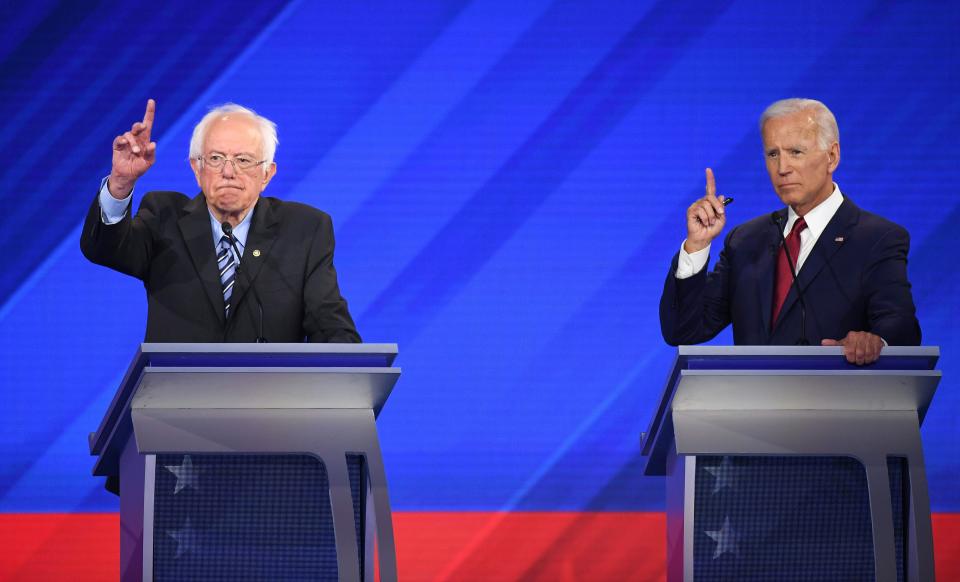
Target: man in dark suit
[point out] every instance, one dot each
(851, 265)
(271, 277)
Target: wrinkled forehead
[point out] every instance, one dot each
(233, 134)
(798, 126)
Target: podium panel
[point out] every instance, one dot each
(234, 517)
(788, 463)
(251, 461)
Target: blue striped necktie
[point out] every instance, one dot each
(227, 264)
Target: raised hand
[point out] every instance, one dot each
(133, 154)
(705, 218)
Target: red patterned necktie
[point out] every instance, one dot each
(783, 280)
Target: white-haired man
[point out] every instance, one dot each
(189, 251)
(850, 265)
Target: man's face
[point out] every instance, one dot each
(230, 191)
(801, 172)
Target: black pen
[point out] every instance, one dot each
(726, 202)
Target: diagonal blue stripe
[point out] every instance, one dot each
(510, 197)
(132, 74)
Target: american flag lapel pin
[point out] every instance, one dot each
(839, 239)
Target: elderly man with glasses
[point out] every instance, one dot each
(228, 264)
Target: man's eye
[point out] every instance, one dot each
(244, 160)
(771, 154)
(215, 158)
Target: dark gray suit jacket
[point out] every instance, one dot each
(168, 245)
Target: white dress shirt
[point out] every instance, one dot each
(689, 264)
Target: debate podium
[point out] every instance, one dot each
(251, 462)
(788, 463)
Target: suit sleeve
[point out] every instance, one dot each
(696, 309)
(125, 246)
(889, 301)
(325, 315)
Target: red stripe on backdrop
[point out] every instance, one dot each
(946, 545)
(431, 546)
(547, 546)
(54, 547)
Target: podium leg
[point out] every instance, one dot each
(884, 549)
(149, 494)
(132, 491)
(920, 550)
(341, 504)
(681, 474)
(386, 548)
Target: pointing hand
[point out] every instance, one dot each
(133, 154)
(705, 218)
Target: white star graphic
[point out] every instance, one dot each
(726, 539)
(722, 474)
(187, 538)
(187, 475)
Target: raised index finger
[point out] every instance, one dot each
(711, 183)
(711, 196)
(148, 114)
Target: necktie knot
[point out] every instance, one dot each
(798, 227)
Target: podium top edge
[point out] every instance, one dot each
(773, 351)
(353, 370)
(277, 348)
(172, 355)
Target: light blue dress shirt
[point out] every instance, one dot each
(113, 210)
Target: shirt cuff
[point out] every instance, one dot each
(112, 210)
(689, 264)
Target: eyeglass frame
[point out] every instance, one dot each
(236, 166)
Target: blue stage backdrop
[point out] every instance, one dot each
(507, 182)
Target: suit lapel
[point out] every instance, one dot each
(830, 241)
(195, 229)
(263, 233)
(766, 269)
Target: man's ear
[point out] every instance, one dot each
(833, 154)
(268, 175)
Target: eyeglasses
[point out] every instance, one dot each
(241, 162)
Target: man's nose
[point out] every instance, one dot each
(783, 167)
(229, 170)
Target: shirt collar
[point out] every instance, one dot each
(818, 218)
(239, 232)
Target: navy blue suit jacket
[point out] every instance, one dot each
(855, 279)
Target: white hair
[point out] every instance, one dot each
(267, 129)
(827, 131)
